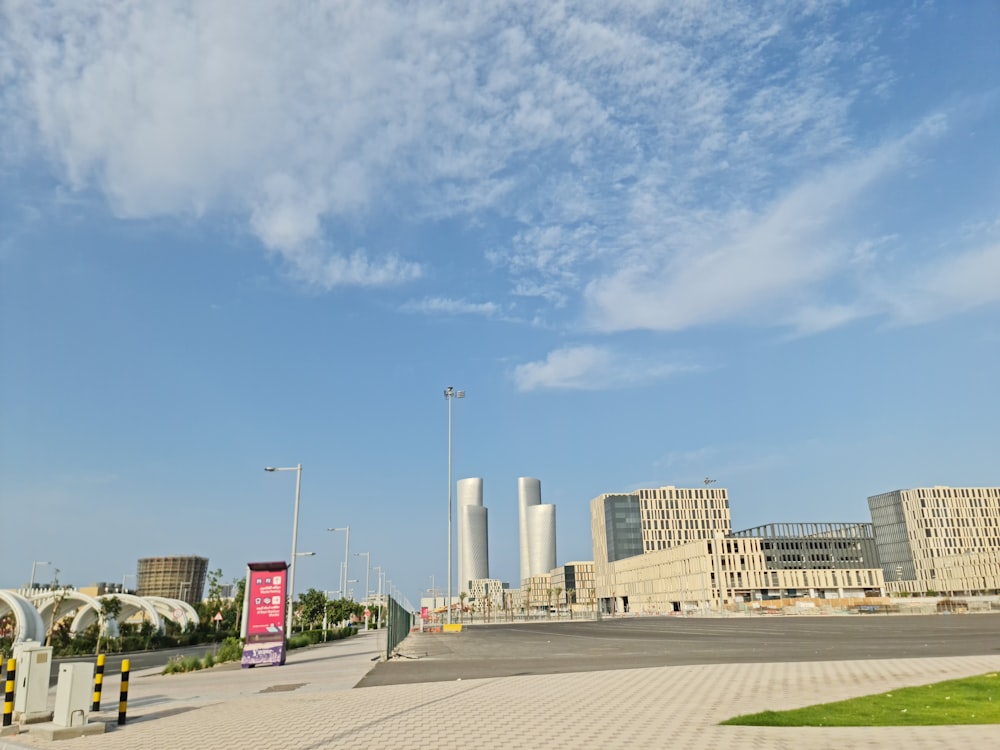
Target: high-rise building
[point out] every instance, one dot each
(940, 539)
(529, 494)
(537, 529)
(172, 577)
(473, 533)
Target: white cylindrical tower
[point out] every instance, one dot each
(472, 532)
(473, 561)
(529, 494)
(541, 539)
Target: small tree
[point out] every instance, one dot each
(110, 609)
(59, 594)
(461, 606)
(558, 592)
(570, 600)
(213, 602)
(312, 604)
(548, 609)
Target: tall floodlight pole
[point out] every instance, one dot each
(34, 564)
(295, 540)
(347, 553)
(449, 394)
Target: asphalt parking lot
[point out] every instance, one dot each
(561, 647)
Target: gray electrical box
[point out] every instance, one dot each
(31, 691)
(74, 694)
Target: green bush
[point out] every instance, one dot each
(192, 663)
(230, 650)
(174, 666)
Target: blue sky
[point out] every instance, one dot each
(654, 242)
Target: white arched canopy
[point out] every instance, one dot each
(131, 604)
(28, 623)
(70, 601)
(175, 609)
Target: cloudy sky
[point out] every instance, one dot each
(654, 242)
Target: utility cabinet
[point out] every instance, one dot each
(74, 694)
(31, 691)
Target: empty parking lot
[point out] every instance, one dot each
(557, 647)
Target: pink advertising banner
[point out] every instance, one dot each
(266, 613)
(266, 590)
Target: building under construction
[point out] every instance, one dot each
(173, 577)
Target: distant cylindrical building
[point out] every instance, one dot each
(529, 493)
(173, 577)
(473, 533)
(541, 539)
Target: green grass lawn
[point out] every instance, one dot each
(975, 700)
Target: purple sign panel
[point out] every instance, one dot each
(264, 654)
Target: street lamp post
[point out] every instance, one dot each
(347, 553)
(33, 565)
(449, 394)
(368, 569)
(128, 575)
(378, 599)
(295, 538)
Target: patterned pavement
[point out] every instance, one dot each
(309, 705)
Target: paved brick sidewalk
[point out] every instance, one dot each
(306, 706)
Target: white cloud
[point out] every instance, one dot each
(958, 283)
(446, 306)
(748, 266)
(593, 368)
(666, 165)
(356, 269)
(297, 120)
(811, 319)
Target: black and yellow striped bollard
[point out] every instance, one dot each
(123, 699)
(8, 693)
(98, 683)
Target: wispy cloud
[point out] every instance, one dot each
(592, 368)
(965, 281)
(655, 166)
(726, 267)
(446, 306)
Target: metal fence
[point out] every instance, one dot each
(399, 623)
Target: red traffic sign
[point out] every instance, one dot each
(218, 617)
(368, 612)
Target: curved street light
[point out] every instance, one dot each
(295, 537)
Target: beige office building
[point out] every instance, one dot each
(575, 583)
(672, 549)
(942, 540)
